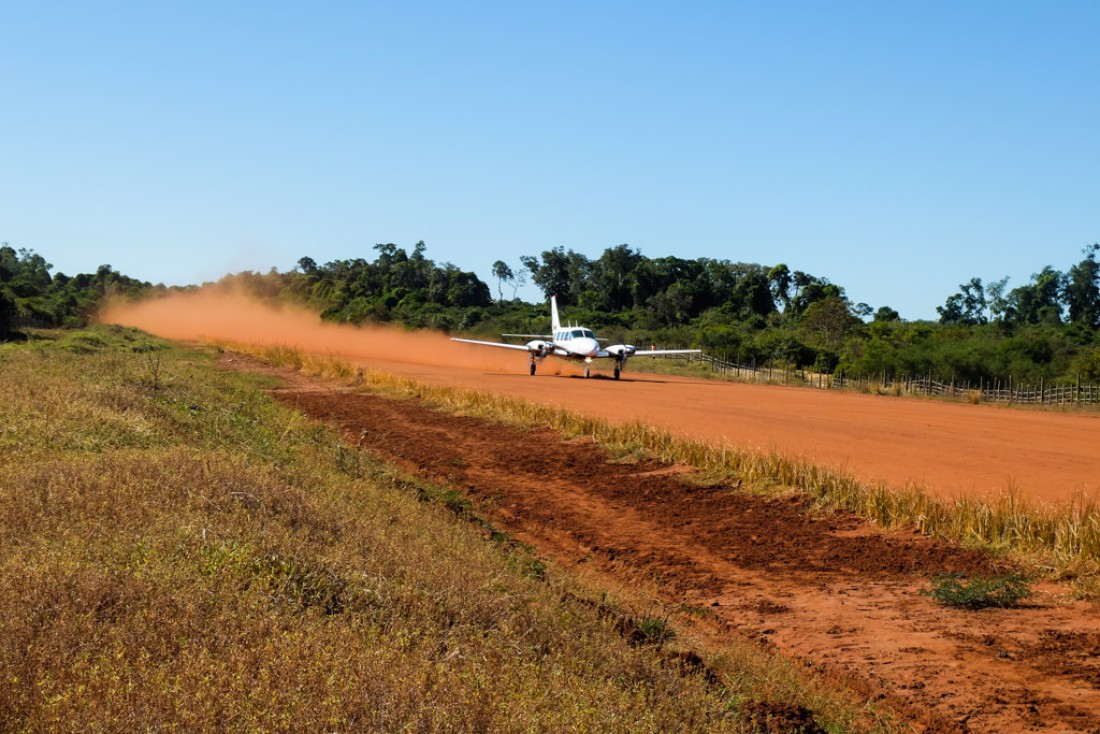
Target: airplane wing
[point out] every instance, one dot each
(626, 351)
(662, 352)
(521, 347)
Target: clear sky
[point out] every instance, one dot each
(896, 148)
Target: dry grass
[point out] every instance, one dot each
(179, 552)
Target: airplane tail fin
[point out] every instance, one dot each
(555, 322)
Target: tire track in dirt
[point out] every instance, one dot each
(828, 590)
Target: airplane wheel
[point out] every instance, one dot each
(617, 373)
(532, 369)
(587, 372)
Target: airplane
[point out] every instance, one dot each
(574, 343)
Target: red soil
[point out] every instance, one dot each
(950, 449)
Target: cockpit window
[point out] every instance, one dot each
(588, 334)
(577, 333)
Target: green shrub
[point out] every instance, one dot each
(980, 592)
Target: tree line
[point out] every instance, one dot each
(1051, 298)
(1048, 328)
(30, 296)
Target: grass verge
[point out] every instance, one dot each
(177, 551)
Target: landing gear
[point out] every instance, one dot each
(587, 371)
(618, 371)
(532, 369)
(619, 364)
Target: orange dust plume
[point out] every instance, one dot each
(214, 315)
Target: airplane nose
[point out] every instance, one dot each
(591, 347)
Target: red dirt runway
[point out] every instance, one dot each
(950, 449)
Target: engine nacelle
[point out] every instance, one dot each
(540, 348)
(622, 351)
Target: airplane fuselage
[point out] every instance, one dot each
(576, 343)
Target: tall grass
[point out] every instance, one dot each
(177, 551)
(1064, 538)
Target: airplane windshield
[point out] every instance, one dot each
(576, 334)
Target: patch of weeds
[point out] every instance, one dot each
(655, 630)
(980, 592)
(528, 566)
(628, 453)
(303, 584)
(1085, 588)
(454, 501)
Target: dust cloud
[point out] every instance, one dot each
(217, 315)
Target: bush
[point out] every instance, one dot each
(980, 592)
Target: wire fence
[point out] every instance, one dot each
(997, 391)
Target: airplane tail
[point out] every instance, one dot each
(555, 322)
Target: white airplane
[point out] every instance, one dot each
(575, 343)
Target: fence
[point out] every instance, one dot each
(1007, 391)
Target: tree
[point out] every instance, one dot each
(995, 298)
(752, 294)
(554, 273)
(886, 315)
(861, 310)
(828, 322)
(611, 279)
(503, 274)
(1038, 302)
(671, 305)
(780, 279)
(809, 289)
(1081, 290)
(966, 307)
(7, 315)
(9, 263)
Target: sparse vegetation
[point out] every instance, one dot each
(179, 552)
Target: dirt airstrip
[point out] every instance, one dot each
(950, 449)
(829, 591)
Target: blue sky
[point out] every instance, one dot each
(897, 149)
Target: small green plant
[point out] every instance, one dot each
(980, 592)
(655, 630)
